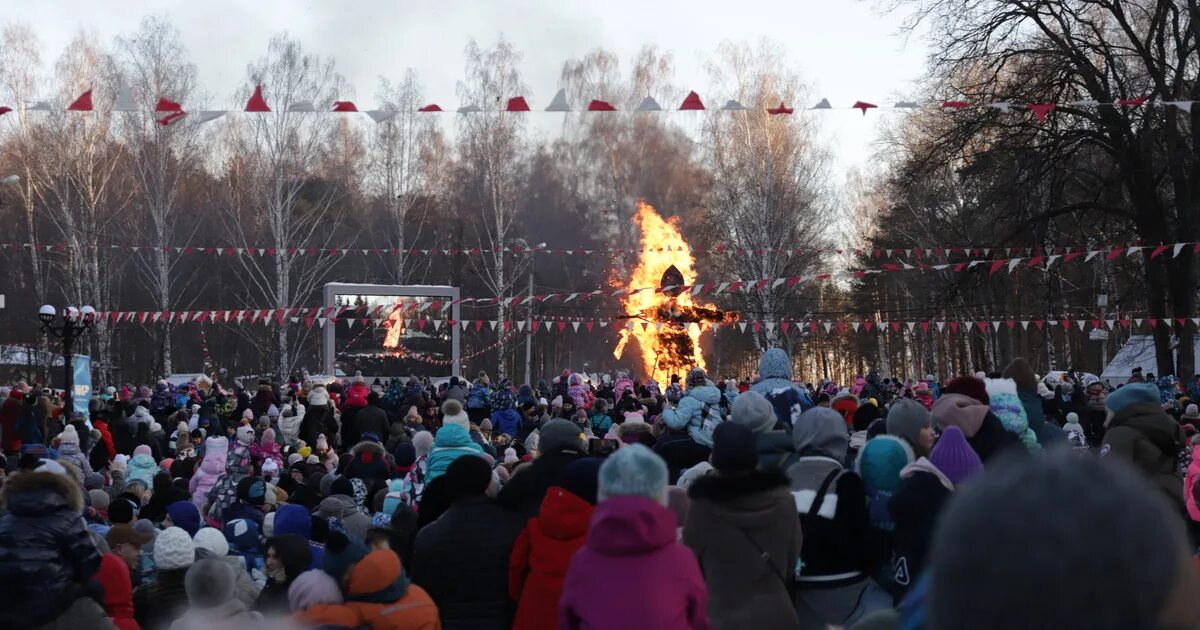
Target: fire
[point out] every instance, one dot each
(395, 328)
(670, 344)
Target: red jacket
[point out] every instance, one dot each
(10, 412)
(541, 555)
(356, 396)
(105, 437)
(118, 591)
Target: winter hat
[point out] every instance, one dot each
(272, 411)
(581, 478)
(100, 499)
(821, 431)
(1044, 524)
(143, 449)
(960, 410)
(247, 416)
(1192, 412)
(954, 457)
(880, 461)
(1132, 394)
(452, 413)
(268, 436)
(486, 425)
(270, 468)
(423, 443)
(906, 419)
(185, 516)
(318, 397)
(968, 386)
(312, 588)
(120, 462)
(696, 377)
(173, 549)
(142, 415)
(559, 434)
(557, 403)
(210, 583)
(405, 455)
(95, 481)
(734, 449)
(633, 470)
(1022, 374)
(124, 533)
(212, 540)
(510, 455)
(1073, 418)
(542, 402)
(393, 497)
(753, 410)
(1004, 402)
(245, 434)
(69, 435)
(121, 510)
(293, 458)
(252, 491)
(242, 535)
(341, 553)
(341, 485)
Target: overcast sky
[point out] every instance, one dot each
(847, 50)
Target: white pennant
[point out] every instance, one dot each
(742, 326)
(575, 325)
(940, 326)
(1138, 322)
(1183, 105)
(1051, 259)
(911, 325)
(855, 326)
(493, 323)
(1024, 324)
(321, 322)
(349, 322)
(1110, 323)
(995, 324)
(1133, 249)
(827, 326)
(437, 324)
(201, 117)
(1012, 264)
(1092, 254)
(463, 324)
(521, 325)
(1177, 248)
(125, 102)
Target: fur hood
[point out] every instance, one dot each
(775, 364)
(721, 488)
(24, 487)
(367, 445)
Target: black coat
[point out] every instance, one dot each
(46, 555)
(316, 421)
(992, 438)
(369, 419)
(159, 603)
(914, 508)
(680, 452)
(461, 560)
(525, 490)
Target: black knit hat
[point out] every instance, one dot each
(735, 449)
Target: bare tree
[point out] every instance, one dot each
(492, 148)
(770, 190)
(154, 64)
(273, 191)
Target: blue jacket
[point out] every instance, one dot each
(294, 519)
(775, 384)
(480, 397)
(452, 441)
(699, 411)
(506, 421)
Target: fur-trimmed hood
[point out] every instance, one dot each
(40, 492)
(723, 488)
(367, 445)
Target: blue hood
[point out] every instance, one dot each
(706, 394)
(775, 363)
(293, 519)
(452, 435)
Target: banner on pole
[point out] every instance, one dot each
(81, 365)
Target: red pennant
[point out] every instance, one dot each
(996, 265)
(421, 324)
(1153, 322)
(841, 327)
(167, 105)
(1066, 323)
(1123, 322)
(954, 327)
(1036, 260)
(1069, 256)
(478, 325)
(308, 322)
(863, 106)
(1039, 323)
(562, 326)
(82, 104)
(782, 109)
(955, 104)
(1012, 324)
(924, 326)
(1133, 102)
(895, 326)
(1157, 250)
(1041, 110)
(600, 106)
(691, 102)
(589, 325)
(981, 325)
(869, 324)
(5, 110)
(257, 103)
(517, 104)
(170, 118)
(534, 325)
(432, 107)
(344, 106)
(1116, 252)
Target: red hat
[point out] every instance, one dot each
(968, 386)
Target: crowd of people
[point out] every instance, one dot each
(998, 500)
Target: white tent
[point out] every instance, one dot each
(1138, 352)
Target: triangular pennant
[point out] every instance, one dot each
(863, 106)
(691, 102)
(81, 104)
(822, 104)
(201, 117)
(257, 103)
(517, 104)
(734, 106)
(1183, 105)
(906, 105)
(302, 107)
(380, 115)
(434, 107)
(344, 106)
(167, 105)
(940, 326)
(469, 109)
(782, 110)
(559, 102)
(600, 106)
(648, 104)
(1041, 110)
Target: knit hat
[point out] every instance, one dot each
(272, 411)
(99, 499)
(341, 553)
(633, 470)
(95, 481)
(1192, 412)
(954, 457)
(312, 588)
(734, 449)
(1073, 418)
(581, 478)
(405, 455)
(485, 425)
(124, 533)
(252, 491)
(880, 461)
(696, 377)
(248, 415)
(185, 516)
(968, 386)
(268, 528)
(68, 435)
(1132, 394)
(173, 549)
(557, 403)
(510, 455)
(212, 540)
(753, 410)
(906, 419)
(960, 410)
(318, 396)
(423, 443)
(245, 434)
(559, 434)
(452, 413)
(242, 535)
(121, 509)
(210, 583)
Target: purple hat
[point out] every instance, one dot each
(954, 457)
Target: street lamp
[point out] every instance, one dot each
(74, 322)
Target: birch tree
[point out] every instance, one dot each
(770, 188)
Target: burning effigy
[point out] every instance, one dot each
(669, 338)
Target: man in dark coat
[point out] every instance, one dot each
(560, 442)
(461, 559)
(369, 419)
(1143, 435)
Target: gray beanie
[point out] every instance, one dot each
(906, 418)
(633, 470)
(754, 411)
(209, 583)
(559, 434)
(1036, 531)
(327, 484)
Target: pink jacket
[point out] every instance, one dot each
(1189, 484)
(216, 450)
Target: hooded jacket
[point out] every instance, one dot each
(344, 509)
(451, 442)
(699, 411)
(632, 542)
(141, 468)
(46, 555)
(1146, 437)
(379, 596)
(294, 519)
(746, 536)
(914, 509)
(540, 557)
(527, 488)
(368, 463)
(118, 591)
(216, 450)
(775, 384)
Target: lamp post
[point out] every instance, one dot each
(74, 322)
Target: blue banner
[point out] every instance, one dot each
(81, 365)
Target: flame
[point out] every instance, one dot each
(395, 328)
(670, 343)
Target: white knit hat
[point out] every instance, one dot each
(209, 538)
(174, 549)
(318, 397)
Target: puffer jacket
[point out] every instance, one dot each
(345, 510)
(775, 384)
(356, 396)
(70, 452)
(379, 596)
(46, 554)
(1146, 437)
(141, 468)
(289, 426)
(452, 441)
(1189, 484)
(541, 555)
(216, 451)
(699, 412)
